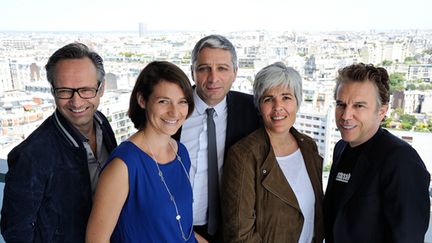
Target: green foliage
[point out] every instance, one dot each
(421, 127)
(408, 60)
(406, 126)
(411, 86)
(424, 87)
(410, 119)
(397, 81)
(428, 51)
(387, 122)
(387, 62)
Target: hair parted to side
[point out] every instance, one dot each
(150, 76)
(216, 42)
(360, 72)
(74, 50)
(277, 74)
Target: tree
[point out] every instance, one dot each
(397, 81)
(411, 86)
(387, 62)
(409, 119)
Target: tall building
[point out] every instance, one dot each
(142, 29)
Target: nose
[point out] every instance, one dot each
(212, 77)
(347, 113)
(277, 104)
(173, 111)
(76, 99)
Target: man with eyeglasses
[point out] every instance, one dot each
(53, 173)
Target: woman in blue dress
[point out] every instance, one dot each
(144, 193)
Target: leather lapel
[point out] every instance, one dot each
(275, 181)
(311, 169)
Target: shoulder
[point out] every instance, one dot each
(396, 155)
(41, 140)
(255, 143)
(126, 151)
(236, 96)
(303, 138)
(389, 144)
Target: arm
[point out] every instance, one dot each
(111, 194)
(238, 199)
(23, 195)
(405, 187)
(199, 238)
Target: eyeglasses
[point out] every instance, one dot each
(68, 93)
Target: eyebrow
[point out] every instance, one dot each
(217, 64)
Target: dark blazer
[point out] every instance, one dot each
(242, 118)
(258, 204)
(386, 199)
(47, 195)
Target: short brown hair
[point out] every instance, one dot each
(150, 76)
(361, 72)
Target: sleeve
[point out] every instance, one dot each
(23, 194)
(238, 199)
(406, 197)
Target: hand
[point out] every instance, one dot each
(199, 238)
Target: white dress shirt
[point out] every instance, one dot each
(194, 137)
(294, 169)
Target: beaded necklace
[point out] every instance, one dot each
(172, 199)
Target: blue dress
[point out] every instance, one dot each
(148, 214)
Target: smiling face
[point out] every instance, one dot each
(278, 108)
(213, 74)
(166, 109)
(77, 73)
(357, 114)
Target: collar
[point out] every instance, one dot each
(72, 135)
(201, 106)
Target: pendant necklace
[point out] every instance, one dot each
(172, 199)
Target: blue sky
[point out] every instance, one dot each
(110, 15)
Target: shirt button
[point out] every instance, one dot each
(264, 171)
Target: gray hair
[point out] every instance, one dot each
(74, 50)
(217, 42)
(277, 74)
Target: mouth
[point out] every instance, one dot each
(213, 88)
(78, 110)
(278, 118)
(170, 122)
(347, 127)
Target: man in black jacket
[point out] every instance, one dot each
(214, 69)
(53, 173)
(378, 185)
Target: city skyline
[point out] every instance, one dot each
(193, 15)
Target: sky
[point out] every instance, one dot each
(202, 15)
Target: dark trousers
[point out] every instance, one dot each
(202, 230)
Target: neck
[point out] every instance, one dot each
(160, 147)
(283, 144)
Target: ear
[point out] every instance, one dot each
(102, 89)
(235, 74)
(141, 101)
(382, 111)
(192, 73)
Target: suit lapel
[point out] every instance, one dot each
(362, 171)
(231, 117)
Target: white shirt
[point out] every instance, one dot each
(294, 169)
(194, 137)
